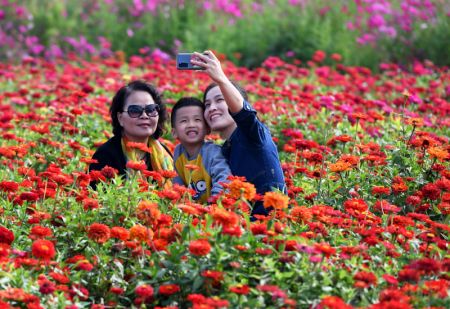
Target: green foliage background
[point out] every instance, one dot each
(248, 40)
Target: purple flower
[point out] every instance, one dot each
(2, 14)
(54, 51)
(389, 31)
(366, 38)
(157, 53)
(376, 21)
(381, 8)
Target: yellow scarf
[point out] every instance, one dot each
(160, 158)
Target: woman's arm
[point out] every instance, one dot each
(212, 67)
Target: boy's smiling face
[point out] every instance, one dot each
(190, 126)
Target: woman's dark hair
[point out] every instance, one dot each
(121, 96)
(236, 85)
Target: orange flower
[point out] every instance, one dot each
(241, 189)
(190, 210)
(43, 249)
(120, 233)
(339, 166)
(224, 217)
(276, 200)
(200, 247)
(141, 233)
(148, 212)
(301, 214)
(354, 204)
(438, 153)
(416, 122)
(325, 249)
(99, 233)
(141, 146)
(192, 167)
(137, 165)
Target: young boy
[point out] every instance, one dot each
(200, 165)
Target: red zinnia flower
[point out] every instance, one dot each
(431, 191)
(43, 249)
(199, 247)
(141, 233)
(409, 275)
(5, 249)
(364, 279)
(355, 205)
(9, 186)
(241, 289)
(169, 289)
(99, 233)
(6, 235)
(144, 290)
(120, 233)
(148, 212)
(90, 203)
(108, 172)
(39, 231)
(138, 166)
(213, 274)
(224, 217)
(333, 302)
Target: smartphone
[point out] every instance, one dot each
(184, 62)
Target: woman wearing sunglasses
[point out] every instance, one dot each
(138, 115)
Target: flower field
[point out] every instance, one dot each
(365, 223)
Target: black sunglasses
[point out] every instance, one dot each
(135, 111)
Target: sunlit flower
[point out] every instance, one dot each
(224, 217)
(238, 188)
(438, 153)
(301, 214)
(148, 212)
(276, 200)
(141, 233)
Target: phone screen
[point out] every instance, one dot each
(184, 62)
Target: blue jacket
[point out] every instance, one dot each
(251, 152)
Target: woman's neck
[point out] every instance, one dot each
(227, 132)
(137, 140)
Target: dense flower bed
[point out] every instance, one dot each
(365, 222)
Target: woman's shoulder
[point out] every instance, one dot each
(109, 145)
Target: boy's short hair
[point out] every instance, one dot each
(183, 102)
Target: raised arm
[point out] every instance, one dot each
(213, 68)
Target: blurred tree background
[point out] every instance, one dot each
(362, 33)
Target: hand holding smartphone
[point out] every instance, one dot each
(184, 62)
